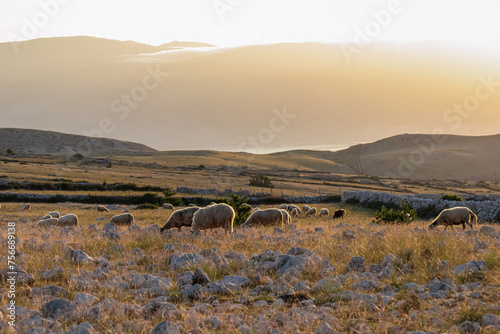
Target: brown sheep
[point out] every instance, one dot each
(340, 213)
(273, 217)
(179, 218)
(102, 208)
(125, 219)
(27, 206)
(219, 215)
(454, 216)
(68, 220)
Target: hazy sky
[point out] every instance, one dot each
(241, 22)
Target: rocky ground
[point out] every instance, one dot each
(314, 276)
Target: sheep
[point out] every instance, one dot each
(294, 213)
(219, 215)
(102, 208)
(68, 220)
(306, 208)
(340, 213)
(54, 214)
(167, 206)
(283, 207)
(46, 217)
(454, 216)
(179, 218)
(311, 212)
(125, 219)
(291, 207)
(47, 222)
(287, 219)
(255, 209)
(192, 204)
(27, 206)
(266, 217)
(324, 212)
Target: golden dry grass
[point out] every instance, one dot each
(412, 243)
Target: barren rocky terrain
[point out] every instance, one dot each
(316, 275)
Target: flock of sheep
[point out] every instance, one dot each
(222, 215)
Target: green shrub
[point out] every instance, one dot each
(331, 199)
(403, 216)
(10, 151)
(261, 180)
(168, 197)
(241, 208)
(147, 206)
(450, 197)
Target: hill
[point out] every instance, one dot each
(24, 141)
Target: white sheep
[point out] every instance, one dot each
(125, 219)
(291, 207)
(287, 219)
(102, 208)
(54, 214)
(324, 212)
(283, 207)
(306, 208)
(167, 206)
(266, 217)
(311, 212)
(294, 213)
(454, 216)
(47, 222)
(219, 215)
(68, 220)
(179, 218)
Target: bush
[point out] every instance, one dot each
(331, 199)
(10, 151)
(147, 206)
(449, 197)
(403, 216)
(261, 180)
(168, 197)
(242, 211)
(78, 156)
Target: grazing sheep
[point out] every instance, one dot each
(47, 222)
(219, 215)
(255, 209)
(167, 206)
(287, 219)
(125, 219)
(311, 212)
(54, 214)
(179, 218)
(324, 212)
(306, 208)
(291, 207)
(27, 206)
(294, 213)
(454, 216)
(47, 217)
(192, 204)
(68, 220)
(266, 217)
(283, 207)
(340, 213)
(102, 208)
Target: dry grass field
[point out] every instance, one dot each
(294, 279)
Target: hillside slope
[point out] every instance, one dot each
(24, 141)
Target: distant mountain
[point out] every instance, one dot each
(24, 141)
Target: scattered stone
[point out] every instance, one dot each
(60, 309)
(357, 264)
(490, 320)
(166, 327)
(200, 278)
(52, 274)
(77, 256)
(85, 299)
(470, 268)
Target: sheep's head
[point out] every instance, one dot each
(433, 225)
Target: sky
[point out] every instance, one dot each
(248, 22)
